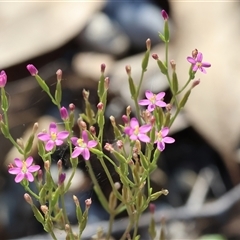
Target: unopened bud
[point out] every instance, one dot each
(125, 119)
(128, 110)
(195, 83)
(128, 70)
(148, 44)
(100, 106)
(120, 144)
(61, 178)
(92, 130)
(59, 164)
(85, 94)
(82, 125)
(20, 142)
(112, 119)
(103, 67)
(76, 201)
(106, 83)
(44, 209)
(40, 176)
(35, 128)
(173, 65)
(32, 69)
(152, 208)
(47, 165)
(88, 202)
(63, 113)
(59, 75)
(117, 185)
(168, 107)
(28, 198)
(108, 147)
(155, 56)
(164, 15)
(71, 107)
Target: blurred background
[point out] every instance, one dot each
(200, 170)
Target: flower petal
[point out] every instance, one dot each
(161, 146)
(43, 137)
(14, 170)
(143, 137)
(191, 60)
(29, 177)
(128, 131)
(202, 70)
(33, 168)
(86, 154)
(145, 128)
(85, 136)
(199, 57)
(29, 161)
(168, 140)
(149, 94)
(195, 68)
(206, 65)
(144, 102)
(164, 132)
(18, 162)
(151, 107)
(161, 104)
(160, 95)
(133, 137)
(74, 141)
(53, 128)
(134, 123)
(49, 145)
(77, 151)
(62, 135)
(92, 144)
(58, 142)
(19, 177)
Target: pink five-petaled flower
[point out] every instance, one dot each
(3, 79)
(153, 100)
(82, 146)
(23, 169)
(198, 64)
(53, 137)
(135, 132)
(161, 138)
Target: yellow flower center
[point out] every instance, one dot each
(53, 136)
(24, 167)
(81, 143)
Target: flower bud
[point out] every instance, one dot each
(173, 65)
(85, 94)
(112, 119)
(35, 128)
(164, 15)
(63, 113)
(109, 147)
(32, 69)
(155, 56)
(88, 203)
(128, 70)
(148, 44)
(195, 83)
(92, 130)
(100, 106)
(47, 165)
(128, 110)
(44, 209)
(71, 107)
(106, 83)
(152, 208)
(3, 79)
(103, 67)
(120, 144)
(125, 119)
(40, 175)
(59, 75)
(61, 178)
(82, 125)
(28, 198)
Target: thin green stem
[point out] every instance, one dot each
(110, 225)
(186, 84)
(32, 193)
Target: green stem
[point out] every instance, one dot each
(186, 84)
(110, 225)
(32, 193)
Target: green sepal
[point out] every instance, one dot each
(58, 93)
(145, 61)
(4, 100)
(184, 99)
(29, 145)
(174, 83)
(166, 31)
(132, 87)
(162, 37)
(162, 67)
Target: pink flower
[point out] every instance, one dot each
(23, 169)
(82, 146)
(161, 138)
(53, 138)
(32, 69)
(3, 79)
(135, 132)
(153, 100)
(198, 64)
